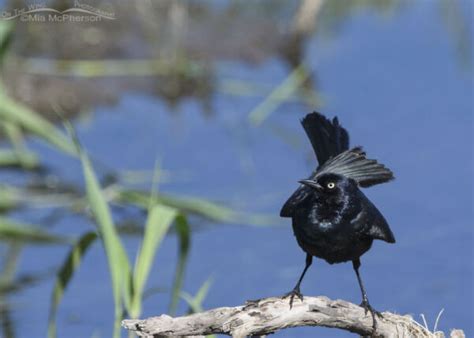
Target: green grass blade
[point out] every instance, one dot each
(24, 117)
(10, 259)
(19, 155)
(117, 258)
(69, 267)
(197, 206)
(195, 303)
(15, 231)
(9, 198)
(158, 223)
(24, 159)
(202, 293)
(183, 232)
(280, 94)
(187, 204)
(200, 206)
(6, 37)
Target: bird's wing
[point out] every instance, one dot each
(295, 199)
(381, 230)
(327, 138)
(355, 165)
(372, 222)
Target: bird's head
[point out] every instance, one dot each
(330, 184)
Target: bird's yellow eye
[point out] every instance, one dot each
(331, 185)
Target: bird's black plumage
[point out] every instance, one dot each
(328, 139)
(332, 218)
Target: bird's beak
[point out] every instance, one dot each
(311, 183)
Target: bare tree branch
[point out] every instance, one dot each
(269, 315)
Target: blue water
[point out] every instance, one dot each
(396, 83)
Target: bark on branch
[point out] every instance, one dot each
(265, 316)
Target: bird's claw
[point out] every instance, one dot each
(368, 308)
(295, 292)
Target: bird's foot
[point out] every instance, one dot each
(367, 307)
(295, 292)
(374, 313)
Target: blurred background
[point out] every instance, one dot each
(187, 115)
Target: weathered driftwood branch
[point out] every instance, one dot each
(269, 315)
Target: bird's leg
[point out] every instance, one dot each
(365, 300)
(296, 289)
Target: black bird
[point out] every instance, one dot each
(332, 218)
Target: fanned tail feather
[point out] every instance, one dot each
(327, 138)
